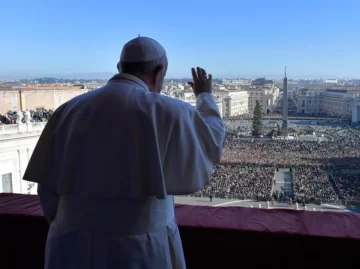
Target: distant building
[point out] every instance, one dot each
(337, 103)
(218, 87)
(233, 82)
(37, 97)
(267, 96)
(331, 80)
(189, 94)
(309, 101)
(262, 82)
(189, 97)
(332, 102)
(234, 102)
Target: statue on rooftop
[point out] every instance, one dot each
(19, 117)
(27, 116)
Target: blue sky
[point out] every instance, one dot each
(230, 38)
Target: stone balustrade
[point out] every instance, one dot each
(8, 129)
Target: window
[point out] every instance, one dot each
(7, 183)
(14, 102)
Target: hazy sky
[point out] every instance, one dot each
(228, 37)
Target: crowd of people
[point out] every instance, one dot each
(342, 152)
(39, 115)
(312, 184)
(237, 181)
(256, 161)
(348, 185)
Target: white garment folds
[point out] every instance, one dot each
(108, 164)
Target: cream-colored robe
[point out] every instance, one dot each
(108, 164)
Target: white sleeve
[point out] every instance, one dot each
(195, 147)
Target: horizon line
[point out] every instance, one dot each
(178, 77)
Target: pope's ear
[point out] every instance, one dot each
(157, 74)
(117, 66)
(158, 69)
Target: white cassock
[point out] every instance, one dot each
(108, 164)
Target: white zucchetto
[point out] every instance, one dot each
(141, 49)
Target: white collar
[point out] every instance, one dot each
(131, 78)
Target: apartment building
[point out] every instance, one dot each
(234, 102)
(218, 87)
(241, 82)
(308, 101)
(266, 95)
(189, 97)
(339, 103)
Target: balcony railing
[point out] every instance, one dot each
(8, 129)
(212, 237)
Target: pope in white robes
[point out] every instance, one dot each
(109, 162)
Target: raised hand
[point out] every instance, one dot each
(201, 81)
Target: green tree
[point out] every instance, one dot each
(257, 124)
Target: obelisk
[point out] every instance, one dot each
(285, 108)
